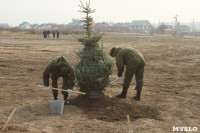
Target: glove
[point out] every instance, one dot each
(47, 87)
(69, 91)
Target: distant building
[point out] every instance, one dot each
(184, 30)
(164, 29)
(102, 27)
(120, 27)
(35, 26)
(77, 24)
(137, 26)
(140, 26)
(112, 27)
(49, 26)
(46, 26)
(25, 25)
(4, 25)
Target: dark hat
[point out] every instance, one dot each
(112, 51)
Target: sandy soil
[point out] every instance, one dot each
(170, 95)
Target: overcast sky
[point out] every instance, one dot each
(15, 12)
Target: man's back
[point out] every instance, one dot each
(130, 57)
(59, 66)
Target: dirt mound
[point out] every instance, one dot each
(112, 109)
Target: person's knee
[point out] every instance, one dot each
(129, 73)
(54, 84)
(139, 85)
(125, 86)
(54, 91)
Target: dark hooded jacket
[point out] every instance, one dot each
(59, 67)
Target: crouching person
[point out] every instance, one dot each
(134, 62)
(59, 67)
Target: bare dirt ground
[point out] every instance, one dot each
(170, 95)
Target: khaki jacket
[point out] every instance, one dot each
(59, 67)
(130, 57)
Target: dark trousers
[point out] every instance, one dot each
(139, 72)
(55, 85)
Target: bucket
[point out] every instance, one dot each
(57, 106)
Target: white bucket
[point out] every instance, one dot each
(57, 106)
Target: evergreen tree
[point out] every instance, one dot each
(94, 68)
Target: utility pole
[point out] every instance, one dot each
(193, 27)
(175, 21)
(175, 26)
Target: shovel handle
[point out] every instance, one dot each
(114, 81)
(65, 90)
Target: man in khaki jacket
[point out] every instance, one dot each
(59, 67)
(134, 62)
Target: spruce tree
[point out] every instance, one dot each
(94, 68)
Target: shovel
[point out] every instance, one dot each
(68, 90)
(92, 94)
(114, 80)
(96, 94)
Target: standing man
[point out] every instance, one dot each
(44, 33)
(134, 62)
(48, 33)
(59, 67)
(58, 34)
(54, 34)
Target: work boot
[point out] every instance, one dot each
(137, 97)
(66, 102)
(55, 96)
(121, 95)
(66, 99)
